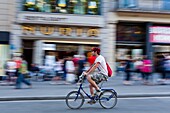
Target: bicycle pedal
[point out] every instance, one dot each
(91, 102)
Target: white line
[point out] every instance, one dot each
(135, 98)
(24, 101)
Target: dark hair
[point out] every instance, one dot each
(22, 56)
(96, 49)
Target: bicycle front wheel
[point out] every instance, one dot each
(74, 100)
(108, 99)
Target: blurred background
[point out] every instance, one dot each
(45, 31)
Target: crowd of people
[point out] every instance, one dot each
(16, 69)
(70, 68)
(143, 69)
(67, 69)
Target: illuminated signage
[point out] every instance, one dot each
(159, 34)
(62, 31)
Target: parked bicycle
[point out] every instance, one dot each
(107, 99)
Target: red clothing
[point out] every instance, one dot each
(18, 62)
(75, 61)
(147, 66)
(91, 59)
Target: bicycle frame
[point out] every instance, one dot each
(89, 96)
(81, 88)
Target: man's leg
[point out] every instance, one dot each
(91, 90)
(93, 84)
(18, 81)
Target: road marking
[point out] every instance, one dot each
(136, 98)
(145, 98)
(22, 101)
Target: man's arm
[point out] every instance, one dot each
(92, 68)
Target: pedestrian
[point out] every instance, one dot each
(102, 73)
(166, 70)
(10, 68)
(22, 71)
(58, 70)
(81, 63)
(138, 66)
(34, 71)
(70, 70)
(128, 70)
(146, 70)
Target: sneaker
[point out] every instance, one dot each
(98, 92)
(91, 102)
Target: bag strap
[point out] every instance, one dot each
(103, 67)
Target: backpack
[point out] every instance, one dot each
(109, 70)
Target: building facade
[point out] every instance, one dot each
(141, 28)
(46, 29)
(121, 28)
(6, 19)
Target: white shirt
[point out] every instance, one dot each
(58, 66)
(137, 64)
(102, 66)
(11, 66)
(70, 66)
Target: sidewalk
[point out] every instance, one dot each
(45, 90)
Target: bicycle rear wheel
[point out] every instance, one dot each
(74, 100)
(108, 99)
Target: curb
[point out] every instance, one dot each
(63, 97)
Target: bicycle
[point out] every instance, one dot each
(107, 98)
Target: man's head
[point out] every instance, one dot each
(95, 51)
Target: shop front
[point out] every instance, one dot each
(160, 41)
(4, 50)
(57, 28)
(40, 42)
(131, 39)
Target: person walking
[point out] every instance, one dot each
(146, 70)
(128, 70)
(81, 63)
(10, 68)
(70, 69)
(22, 71)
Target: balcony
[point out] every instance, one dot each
(144, 6)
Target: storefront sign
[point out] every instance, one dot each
(44, 18)
(62, 31)
(60, 19)
(159, 34)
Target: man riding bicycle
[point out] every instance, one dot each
(102, 73)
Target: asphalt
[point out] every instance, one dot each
(47, 91)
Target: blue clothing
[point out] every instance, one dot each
(167, 65)
(21, 79)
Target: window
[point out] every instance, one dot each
(91, 7)
(131, 32)
(128, 3)
(166, 4)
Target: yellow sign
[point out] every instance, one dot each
(79, 32)
(46, 30)
(92, 32)
(28, 29)
(63, 31)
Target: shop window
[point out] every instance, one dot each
(91, 7)
(166, 4)
(128, 3)
(130, 33)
